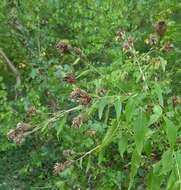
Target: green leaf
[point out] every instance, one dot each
(171, 131)
(157, 113)
(60, 125)
(171, 181)
(140, 130)
(154, 181)
(118, 107)
(122, 144)
(102, 104)
(135, 162)
(167, 160)
(130, 109)
(109, 135)
(158, 91)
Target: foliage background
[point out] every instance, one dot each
(29, 32)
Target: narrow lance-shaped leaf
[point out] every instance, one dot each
(122, 144)
(140, 130)
(158, 91)
(135, 162)
(118, 107)
(171, 131)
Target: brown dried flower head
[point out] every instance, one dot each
(120, 35)
(131, 40)
(23, 127)
(175, 101)
(64, 47)
(161, 27)
(68, 152)
(85, 99)
(31, 111)
(60, 167)
(168, 46)
(77, 51)
(70, 78)
(126, 46)
(80, 96)
(17, 134)
(77, 122)
(76, 93)
(152, 40)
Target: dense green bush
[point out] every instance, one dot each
(90, 94)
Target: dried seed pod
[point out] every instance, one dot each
(77, 122)
(70, 78)
(161, 27)
(167, 46)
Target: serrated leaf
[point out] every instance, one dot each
(167, 160)
(140, 130)
(102, 104)
(135, 163)
(171, 131)
(129, 109)
(157, 113)
(118, 107)
(154, 181)
(158, 91)
(122, 144)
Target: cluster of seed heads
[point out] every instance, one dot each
(65, 48)
(153, 39)
(17, 135)
(80, 97)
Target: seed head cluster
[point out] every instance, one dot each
(17, 134)
(80, 97)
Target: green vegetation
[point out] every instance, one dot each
(90, 95)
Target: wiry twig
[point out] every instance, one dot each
(12, 68)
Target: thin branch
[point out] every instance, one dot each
(12, 67)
